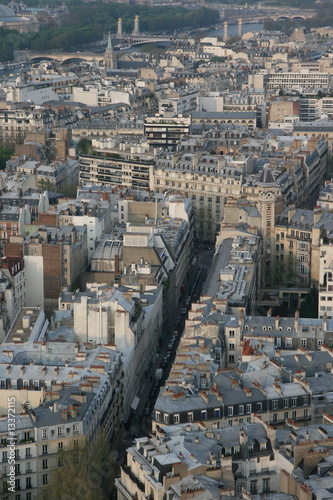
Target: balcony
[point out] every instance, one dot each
(133, 478)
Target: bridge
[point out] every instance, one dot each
(64, 56)
(125, 43)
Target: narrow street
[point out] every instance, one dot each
(141, 422)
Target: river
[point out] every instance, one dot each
(233, 29)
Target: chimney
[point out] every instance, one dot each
(296, 320)
(64, 415)
(291, 213)
(277, 322)
(116, 264)
(243, 437)
(269, 312)
(55, 407)
(316, 217)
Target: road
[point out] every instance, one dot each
(141, 423)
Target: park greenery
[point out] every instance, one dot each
(87, 23)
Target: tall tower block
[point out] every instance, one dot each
(136, 30)
(120, 28)
(240, 27)
(110, 60)
(225, 31)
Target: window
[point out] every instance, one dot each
(286, 415)
(265, 485)
(44, 449)
(203, 414)
(293, 402)
(230, 411)
(240, 409)
(44, 433)
(76, 443)
(190, 417)
(285, 403)
(248, 408)
(17, 468)
(259, 406)
(217, 413)
(27, 452)
(45, 478)
(306, 413)
(59, 431)
(230, 423)
(45, 464)
(28, 482)
(157, 415)
(274, 418)
(303, 343)
(288, 342)
(253, 487)
(231, 333)
(294, 415)
(176, 419)
(166, 418)
(231, 347)
(4, 456)
(60, 446)
(305, 400)
(231, 358)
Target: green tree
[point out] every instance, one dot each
(84, 146)
(86, 471)
(5, 154)
(309, 306)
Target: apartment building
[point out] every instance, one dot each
(317, 128)
(93, 213)
(206, 180)
(235, 273)
(166, 131)
(122, 317)
(57, 175)
(181, 460)
(121, 164)
(298, 81)
(247, 118)
(12, 221)
(53, 258)
(63, 393)
(19, 119)
(13, 291)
